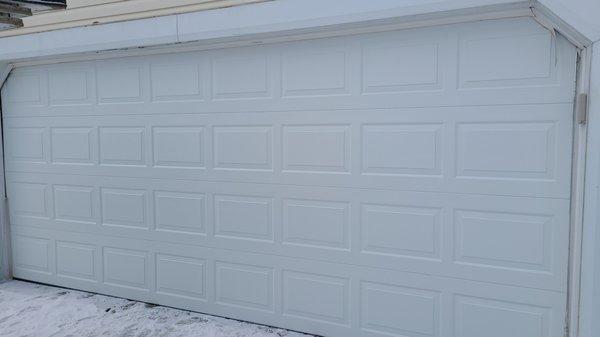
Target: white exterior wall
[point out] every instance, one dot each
(581, 14)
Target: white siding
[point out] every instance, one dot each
(92, 12)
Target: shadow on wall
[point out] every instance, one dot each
(4, 243)
(4, 240)
(4, 228)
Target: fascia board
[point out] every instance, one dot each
(290, 15)
(126, 34)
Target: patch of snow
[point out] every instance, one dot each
(30, 309)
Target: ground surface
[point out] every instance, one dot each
(30, 309)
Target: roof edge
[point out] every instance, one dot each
(547, 16)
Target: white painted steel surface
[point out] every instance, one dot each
(408, 183)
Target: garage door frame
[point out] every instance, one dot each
(542, 15)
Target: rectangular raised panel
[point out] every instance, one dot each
(316, 297)
(24, 88)
(174, 82)
(240, 77)
(316, 148)
(409, 149)
(244, 285)
(180, 212)
(399, 311)
(180, 276)
(29, 200)
(324, 224)
(244, 217)
(72, 145)
(390, 68)
(178, 146)
(76, 260)
(504, 239)
(317, 72)
(476, 317)
(68, 86)
(124, 207)
(25, 144)
(74, 204)
(506, 60)
(516, 150)
(116, 84)
(400, 230)
(126, 268)
(31, 254)
(122, 146)
(243, 147)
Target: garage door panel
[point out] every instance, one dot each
(33, 254)
(317, 70)
(29, 89)
(432, 308)
(506, 150)
(33, 142)
(79, 82)
(73, 203)
(528, 234)
(490, 150)
(512, 240)
(402, 149)
(442, 66)
(121, 82)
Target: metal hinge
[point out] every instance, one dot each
(581, 106)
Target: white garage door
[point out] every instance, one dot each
(408, 183)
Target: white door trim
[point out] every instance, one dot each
(578, 183)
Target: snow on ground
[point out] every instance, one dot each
(31, 309)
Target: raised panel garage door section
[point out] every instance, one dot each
(407, 183)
